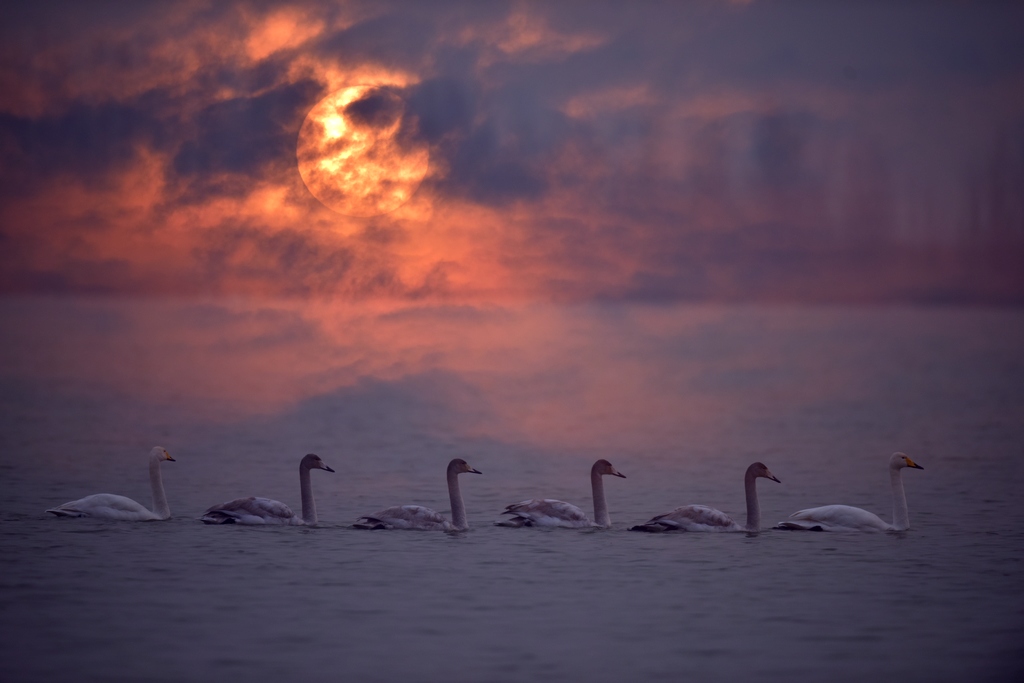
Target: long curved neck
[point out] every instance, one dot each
(160, 507)
(601, 517)
(900, 514)
(306, 491)
(455, 496)
(753, 507)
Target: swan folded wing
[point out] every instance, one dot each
(104, 506)
(405, 517)
(252, 510)
(546, 512)
(835, 518)
(690, 518)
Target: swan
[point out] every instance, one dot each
(557, 513)
(704, 518)
(111, 506)
(254, 510)
(847, 518)
(419, 517)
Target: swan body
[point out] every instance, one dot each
(421, 518)
(849, 518)
(112, 506)
(406, 517)
(704, 518)
(690, 518)
(835, 518)
(254, 510)
(548, 512)
(545, 512)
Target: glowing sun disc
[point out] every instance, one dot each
(355, 153)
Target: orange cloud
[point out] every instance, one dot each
(568, 162)
(283, 28)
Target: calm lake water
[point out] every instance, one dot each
(680, 399)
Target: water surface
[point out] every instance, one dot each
(680, 399)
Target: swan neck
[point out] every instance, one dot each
(160, 507)
(306, 491)
(753, 507)
(455, 496)
(601, 517)
(900, 514)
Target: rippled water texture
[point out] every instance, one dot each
(680, 399)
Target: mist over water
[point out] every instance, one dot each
(680, 399)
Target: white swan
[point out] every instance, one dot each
(419, 517)
(847, 518)
(111, 506)
(704, 518)
(556, 513)
(266, 511)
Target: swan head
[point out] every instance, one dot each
(312, 461)
(458, 465)
(900, 460)
(160, 454)
(758, 469)
(603, 467)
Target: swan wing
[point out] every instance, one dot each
(252, 510)
(405, 517)
(835, 518)
(690, 518)
(545, 512)
(105, 506)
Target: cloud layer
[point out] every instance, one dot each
(714, 151)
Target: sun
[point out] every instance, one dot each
(357, 153)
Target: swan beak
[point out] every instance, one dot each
(325, 467)
(911, 463)
(474, 470)
(619, 474)
(170, 458)
(774, 478)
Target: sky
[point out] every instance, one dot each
(566, 152)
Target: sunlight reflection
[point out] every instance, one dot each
(558, 375)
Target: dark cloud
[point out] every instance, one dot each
(244, 134)
(488, 171)
(85, 141)
(377, 109)
(442, 107)
(496, 147)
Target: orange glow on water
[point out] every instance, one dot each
(563, 376)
